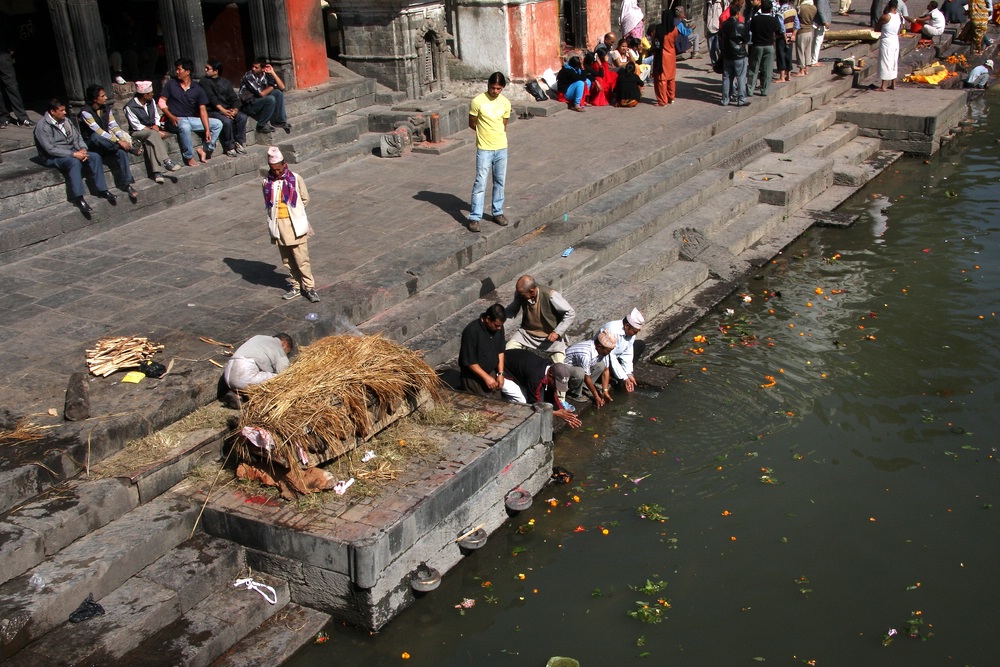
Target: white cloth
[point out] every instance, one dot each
(297, 213)
(888, 48)
(630, 17)
(621, 357)
(819, 31)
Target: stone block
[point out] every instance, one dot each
(18, 484)
(41, 599)
(22, 549)
(788, 181)
(277, 639)
(83, 508)
(134, 611)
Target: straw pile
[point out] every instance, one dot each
(333, 395)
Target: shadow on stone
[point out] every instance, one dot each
(448, 203)
(256, 273)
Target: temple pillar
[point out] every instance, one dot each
(82, 52)
(270, 28)
(307, 42)
(184, 33)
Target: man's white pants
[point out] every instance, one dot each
(240, 373)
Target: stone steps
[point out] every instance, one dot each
(143, 605)
(728, 214)
(276, 639)
(42, 598)
(211, 627)
(34, 203)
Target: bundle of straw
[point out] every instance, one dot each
(333, 395)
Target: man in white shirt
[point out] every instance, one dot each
(933, 21)
(979, 77)
(589, 360)
(621, 357)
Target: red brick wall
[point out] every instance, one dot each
(534, 38)
(599, 21)
(305, 27)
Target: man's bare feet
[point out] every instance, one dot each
(201, 154)
(191, 162)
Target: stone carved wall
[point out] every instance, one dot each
(400, 44)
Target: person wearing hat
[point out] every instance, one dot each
(979, 77)
(143, 119)
(532, 378)
(589, 359)
(621, 357)
(285, 197)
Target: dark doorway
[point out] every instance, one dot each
(229, 38)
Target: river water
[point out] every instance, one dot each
(826, 466)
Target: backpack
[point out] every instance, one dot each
(682, 44)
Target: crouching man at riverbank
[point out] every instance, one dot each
(257, 360)
(589, 359)
(530, 377)
(622, 357)
(481, 354)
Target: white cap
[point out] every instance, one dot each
(635, 319)
(143, 87)
(274, 155)
(989, 63)
(606, 339)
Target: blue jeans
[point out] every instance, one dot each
(73, 169)
(576, 91)
(107, 149)
(734, 79)
(484, 160)
(267, 109)
(186, 125)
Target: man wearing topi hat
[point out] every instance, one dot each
(979, 77)
(530, 378)
(285, 197)
(589, 359)
(143, 119)
(621, 357)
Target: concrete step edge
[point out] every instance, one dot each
(143, 605)
(276, 639)
(209, 629)
(42, 598)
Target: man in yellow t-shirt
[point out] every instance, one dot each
(488, 116)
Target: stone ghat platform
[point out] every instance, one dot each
(352, 557)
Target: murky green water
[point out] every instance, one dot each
(806, 518)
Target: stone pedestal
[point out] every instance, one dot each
(401, 45)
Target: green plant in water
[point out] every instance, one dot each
(651, 511)
(650, 587)
(649, 612)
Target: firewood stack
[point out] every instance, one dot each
(113, 354)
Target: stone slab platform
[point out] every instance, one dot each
(351, 556)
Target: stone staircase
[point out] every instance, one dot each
(167, 590)
(698, 219)
(328, 124)
(673, 232)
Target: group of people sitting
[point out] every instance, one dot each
(211, 107)
(537, 365)
(616, 71)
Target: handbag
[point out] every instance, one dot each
(536, 91)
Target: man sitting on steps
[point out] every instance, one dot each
(185, 104)
(262, 93)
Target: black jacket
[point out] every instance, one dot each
(734, 39)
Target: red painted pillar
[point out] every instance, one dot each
(305, 31)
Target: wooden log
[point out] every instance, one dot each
(858, 34)
(77, 405)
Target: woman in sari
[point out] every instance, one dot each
(665, 59)
(630, 20)
(975, 29)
